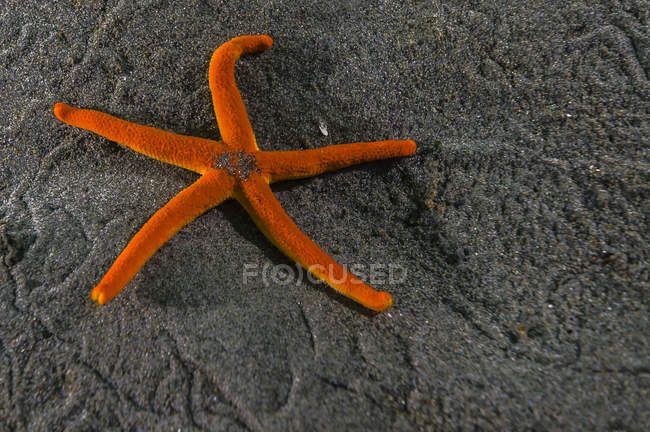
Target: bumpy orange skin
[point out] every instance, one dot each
(232, 168)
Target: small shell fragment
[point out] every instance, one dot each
(323, 128)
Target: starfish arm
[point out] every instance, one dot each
(235, 128)
(207, 192)
(295, 164)
(188, 152)
(267, 213)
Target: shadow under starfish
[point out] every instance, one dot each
(232, 168)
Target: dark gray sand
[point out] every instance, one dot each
(521, 222)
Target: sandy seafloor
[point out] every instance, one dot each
(521, 221)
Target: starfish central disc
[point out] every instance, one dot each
(239, 165)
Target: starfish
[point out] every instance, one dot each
(233, 167)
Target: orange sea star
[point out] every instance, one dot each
(232, 168)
